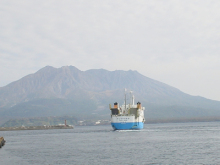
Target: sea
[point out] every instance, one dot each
(170, 143)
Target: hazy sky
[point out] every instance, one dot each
(173, 41)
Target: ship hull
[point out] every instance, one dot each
(127, 116)
(128, 126)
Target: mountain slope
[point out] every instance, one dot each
(38, 94)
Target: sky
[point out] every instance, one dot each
(174, 41)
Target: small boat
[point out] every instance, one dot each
(127, 116)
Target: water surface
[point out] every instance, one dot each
(181, 143)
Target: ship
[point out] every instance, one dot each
(128, 116)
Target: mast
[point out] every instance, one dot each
(131, 98)
(125, 99)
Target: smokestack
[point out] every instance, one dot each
(138, 105)
(116, 105)
(65, 123)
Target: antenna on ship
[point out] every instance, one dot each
(131, 98)
(125, 98)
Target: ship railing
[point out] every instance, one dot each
(124, 115)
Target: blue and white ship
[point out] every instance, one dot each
(127, 116)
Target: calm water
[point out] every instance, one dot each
(182, 143)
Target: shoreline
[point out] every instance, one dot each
(36, 128)
(148, 121)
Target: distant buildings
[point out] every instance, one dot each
(90, 122)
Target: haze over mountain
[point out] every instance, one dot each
(69, 91)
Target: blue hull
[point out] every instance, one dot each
(126, 126)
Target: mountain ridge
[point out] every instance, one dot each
(97, 87)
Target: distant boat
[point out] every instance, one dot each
(127, 116)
